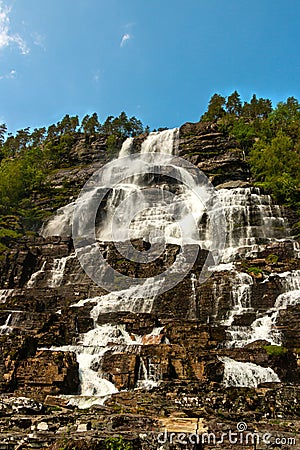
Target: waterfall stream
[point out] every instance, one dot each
(5, 294)
(253, 221)
(264, 327)
(243, 374)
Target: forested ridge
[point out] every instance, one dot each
(268, 136)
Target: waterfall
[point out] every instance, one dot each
(61, 223)
(150, 374)
(158, 142)
(58, 270)
(126, 148)
(192, 314)
(289, 280)
(265, 327)
(150, 213)
(56, 273)
(241, 293)
(32, 282)
(161, 142)
(252, 221)
(5, 294)
(296, 246)
(94, 389)
(90, 350)
(6, 329)
(155, 215)
(241, 374)
(126, 300)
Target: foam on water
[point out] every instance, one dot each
(241, 374)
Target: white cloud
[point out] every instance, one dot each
(39, 40)
(8, 76)
(6, 37)
(125, 38)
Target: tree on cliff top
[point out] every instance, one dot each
(215, 109)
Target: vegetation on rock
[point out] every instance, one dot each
(269, 137)
(29, 157)
(266, 138)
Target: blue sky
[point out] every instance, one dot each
(159, 60)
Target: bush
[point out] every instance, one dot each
(275, 350)
(117, 443)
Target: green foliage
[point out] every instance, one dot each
(243, 132)
(275, 350)
(28, 157)
(57, 150)
(257, 108)
(234, 104)
(215, 109)
(276, 165)
(112, 145)
(6, 232)
(122, 126)
(272, 259)
(19, 177)
(90, 124)
(255, 271)
(286, 118)
(270, 139)
(117, 443)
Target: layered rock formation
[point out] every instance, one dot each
(198, 358)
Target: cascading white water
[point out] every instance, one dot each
(6, 329)
(157, 218)
(94, 389)
(61, 223)
(126, 148)
(54, 275)
(126, 300)
(290, 281)
(149, 375)
(296, 246)
(241, 374)
(90, 350)
(264, 328)
(58, 270)
(32, 282)
(252, 221)
(241, 292)
(192, 314)
(5, 294)
(161, 142)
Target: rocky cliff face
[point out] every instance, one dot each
(198, 358)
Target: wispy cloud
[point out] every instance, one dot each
(6, 37)
(96, 76)
(39, 40)
(9, 76)
(126, 37)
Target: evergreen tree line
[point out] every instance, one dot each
(121, 127)
(270, 138)
(27, 157)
